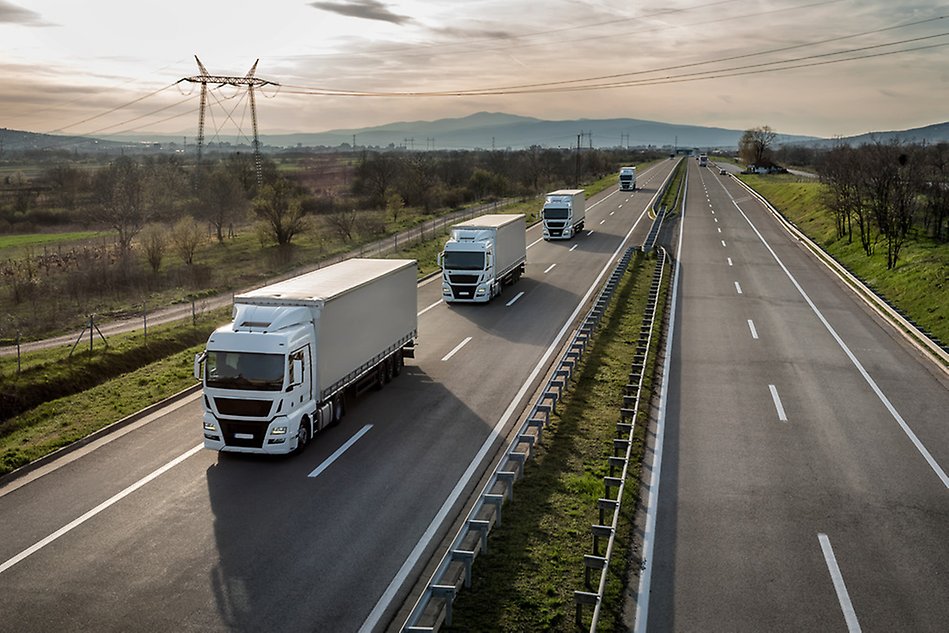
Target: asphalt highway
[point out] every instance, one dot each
(802, 484)
(146, 530)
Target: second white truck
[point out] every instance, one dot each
(627, 178)
(563, 213)
(296, 350)
(482, 255)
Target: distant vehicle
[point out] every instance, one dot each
(627, 178)
(723, 172)
(563, 214)
(703, 160)
(482, 255)
(280, 372)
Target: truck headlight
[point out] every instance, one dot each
(279, 430)
(480, 290)
(210, 426)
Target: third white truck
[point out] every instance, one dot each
(482, 255)
(563, 214)
(297, 350)
(627, 178)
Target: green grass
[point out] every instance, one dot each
(62, 421)
(14, 245)
(917, 286)
(535, 559)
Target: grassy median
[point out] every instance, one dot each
(535, 559)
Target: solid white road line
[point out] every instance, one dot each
(339, 451)
(99, 508)
(429, 308)
(738, 287)
(539, 239)
(457, 347)
(754, 332)
(649, 534)
(572, 248)
(516, 297)
(853, 626)
(943, 477)
(777, 403)
(549, 268)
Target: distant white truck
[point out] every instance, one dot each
(296, 349)
(482, 255)
(627, 178)
(703, 160)
(563, 214)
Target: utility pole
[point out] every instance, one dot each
(409, 140)
(249, 80)
(579, 136)
(590, 137)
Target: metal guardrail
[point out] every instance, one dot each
(620, 460)
(660, 212)
(926, 341)
(433, 607)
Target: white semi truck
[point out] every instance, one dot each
(482, 255)
(563, 214)
(297, 349)
(627, 178)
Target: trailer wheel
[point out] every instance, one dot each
(398, 361)
(390, 368)
(303, 435)
(380, 377)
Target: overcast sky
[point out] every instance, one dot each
(75, 67)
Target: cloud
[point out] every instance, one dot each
(12, 14)
(364, 9)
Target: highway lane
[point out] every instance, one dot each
(802, 483)
(146, 531)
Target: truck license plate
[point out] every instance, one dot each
(244, 436)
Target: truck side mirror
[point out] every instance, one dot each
(441, 256)
(198, 359)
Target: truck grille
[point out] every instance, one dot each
(465, 291)
(464, 279)
(256, 430)
(245, 408)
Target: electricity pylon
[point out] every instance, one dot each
(248, 80)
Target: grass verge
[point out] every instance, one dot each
(535, 559)
(917, 286)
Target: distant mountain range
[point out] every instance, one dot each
(483, 130)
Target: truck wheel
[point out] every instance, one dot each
(338, 411)
(303, 435)
(390, 368)
(380, 377)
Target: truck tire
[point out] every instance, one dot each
(303, 435)
(338, 410)
(398, 363)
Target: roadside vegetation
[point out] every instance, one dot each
(525, 582)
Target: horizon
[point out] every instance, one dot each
(353, 64)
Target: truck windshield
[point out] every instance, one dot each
(460, 260)
(245, 370)
(556, 214)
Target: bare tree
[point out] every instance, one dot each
(120, 201)
(343, 221)
(186, 236)
(755, 145)
(280, 208)
(394, 204)
(154, 240)
(221, 199)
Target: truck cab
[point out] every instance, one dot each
(627, 179)
(563, 214)
(468, 266)
(258, 387)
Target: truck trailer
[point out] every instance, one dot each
(482, 255)
(296, 350)
(627, 178)
(563, 214)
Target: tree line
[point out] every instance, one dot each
(884, 192)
